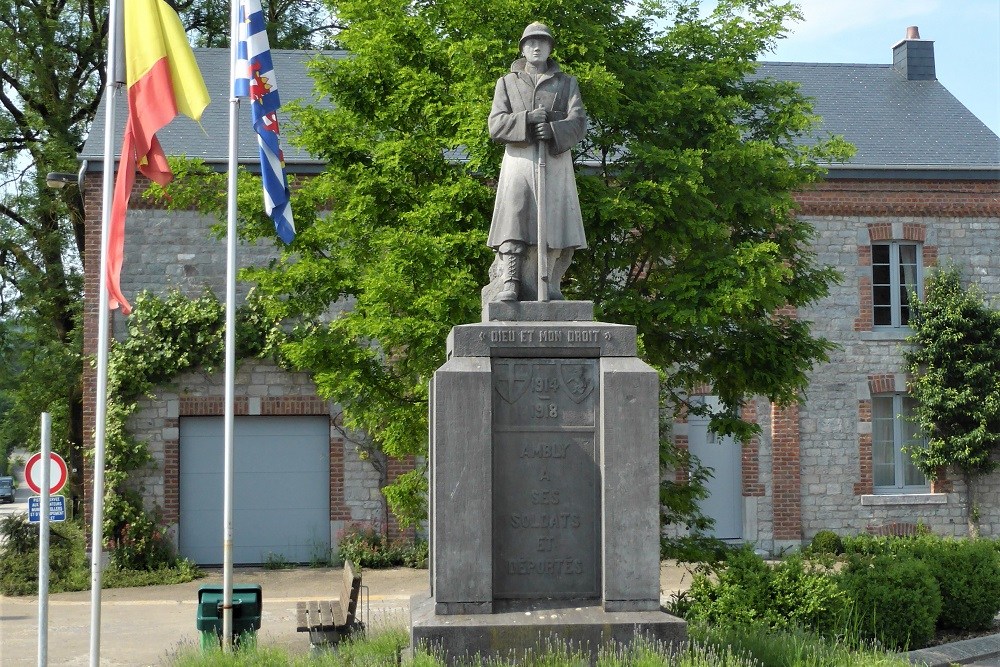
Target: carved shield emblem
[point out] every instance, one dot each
(577, 379)
(511, 379)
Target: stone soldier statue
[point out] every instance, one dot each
(538, 113)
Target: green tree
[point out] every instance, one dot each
(51, 80)
(51, 73)
(291, 24)
(685, 180)
(955, 363)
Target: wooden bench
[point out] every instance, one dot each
(329, 621)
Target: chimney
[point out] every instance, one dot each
(913, 57)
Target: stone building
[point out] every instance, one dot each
(924, 186)
(300, 479)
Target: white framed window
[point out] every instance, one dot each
(897, 270)
(892, 430)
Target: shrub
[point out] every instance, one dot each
(874, 545)
(968, 573)
(750, 592)
(19, 556)
(136, 541)
(826, 542)
(897, 600)
(365, 546)
(415, 554)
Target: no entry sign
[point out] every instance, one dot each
(57, 473)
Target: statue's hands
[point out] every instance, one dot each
(539, 115)
(543, 131)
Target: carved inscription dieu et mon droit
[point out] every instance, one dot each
(545, 493)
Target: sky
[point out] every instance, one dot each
(966, 36)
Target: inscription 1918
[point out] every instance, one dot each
(545, 478)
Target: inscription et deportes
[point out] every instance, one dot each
(545, 476)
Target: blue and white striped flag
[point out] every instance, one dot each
(255, 79)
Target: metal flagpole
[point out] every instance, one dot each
(103, 325)
(227, 511)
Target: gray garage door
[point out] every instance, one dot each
(724, 457)
(281, 497)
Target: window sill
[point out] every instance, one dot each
(887, 333)
(905, 499)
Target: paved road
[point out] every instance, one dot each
(19, 506)
(20, 503)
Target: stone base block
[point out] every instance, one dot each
(532, 626)
(449, 608)
(538, 311)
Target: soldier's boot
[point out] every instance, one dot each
(511, 277)
(559, 261)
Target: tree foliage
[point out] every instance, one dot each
(291, 24)
(51, 79)
(52, 71)
(955, 362)
(685, 179)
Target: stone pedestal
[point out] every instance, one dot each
(544, 485)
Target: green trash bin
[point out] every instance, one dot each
(248, 603)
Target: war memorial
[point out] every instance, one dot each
(544, 458)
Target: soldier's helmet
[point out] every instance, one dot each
(536, 29)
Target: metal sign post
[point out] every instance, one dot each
(43, 545)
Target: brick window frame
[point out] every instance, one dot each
(887, 232)
(882, 384)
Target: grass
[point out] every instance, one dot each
(378, 650)
(709, 647)
(182, 572)
(771, 648)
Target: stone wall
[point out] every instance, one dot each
(814, 469)
(835, 421)
(262, 388)
(167, 250)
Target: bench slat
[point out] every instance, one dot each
(302, 617)
(332, 615)
(350, 592)
(329, 610)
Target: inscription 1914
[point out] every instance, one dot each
(545, 478)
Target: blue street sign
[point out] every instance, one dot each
(57, 509)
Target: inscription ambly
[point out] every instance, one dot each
(544, 450)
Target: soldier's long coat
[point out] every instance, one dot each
(515, 210)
